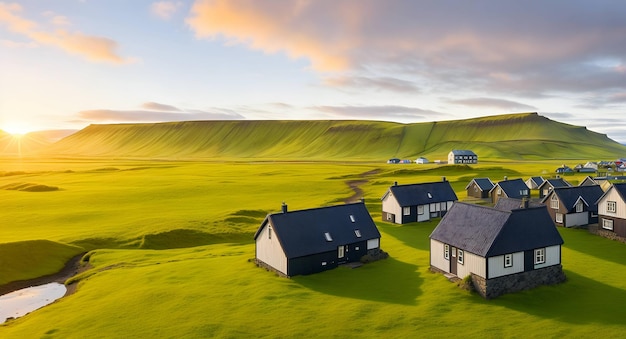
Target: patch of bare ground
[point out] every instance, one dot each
(355, 186)
(73, 267)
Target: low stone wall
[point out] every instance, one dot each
(595, 229)
(495, 287)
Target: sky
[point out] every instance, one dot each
(65, 64)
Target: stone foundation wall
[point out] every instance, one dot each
(267, 267)
(595, 229)
(495, 287)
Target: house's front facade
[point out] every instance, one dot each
(479, 188)
(550, 184)
(421, 160)
(533, 183)
(462, 157)
(503, 251)
(314, 240)
(514, 188)
(403, 204)
(612, 210)
(573, 206)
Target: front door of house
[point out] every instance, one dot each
(341, 254)
(453, 261)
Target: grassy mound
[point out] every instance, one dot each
(34, 258)
(29, 187)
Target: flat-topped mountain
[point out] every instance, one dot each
(510, 136)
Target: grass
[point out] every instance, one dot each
(171, 241)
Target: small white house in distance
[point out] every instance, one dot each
(462, 157)
(421, 160)
(417, 202)
(501, 250)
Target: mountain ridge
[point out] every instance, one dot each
(512, 136)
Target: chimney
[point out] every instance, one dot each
(284, 207)
(395, 183)
(506, 178)
(362, 200)
(558, 176)
(525, 203)
(443, 179)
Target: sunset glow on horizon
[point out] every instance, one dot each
(67, 64)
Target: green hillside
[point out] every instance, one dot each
(512, 136)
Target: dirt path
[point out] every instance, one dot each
(72, 268)
(355, 186)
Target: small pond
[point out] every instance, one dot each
(26, 300)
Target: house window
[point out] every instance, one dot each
(323, 263)
(460, 257)
(406, 210)
(389, 216)
(579, 207)
(540, 256)
(446, 252)
(607, 224)
(352, 218)
(475, 188)
(357, 233)
(340, 252)
(546, 191)
(559, 218)
(420, 209)
(554, 202)
(508, 260)
(269, 232)
(611, 206)
(499, 191)
(328, 237)
(430, 196)
(523, 192)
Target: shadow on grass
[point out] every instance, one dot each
(415, 234)
(579, 300)
(581, 240)
(388, 281)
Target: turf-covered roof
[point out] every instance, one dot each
(485, 184)
(422, 194)
(569, 196)
(303, 232)
(488, 232)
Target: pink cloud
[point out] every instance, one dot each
(165, 9)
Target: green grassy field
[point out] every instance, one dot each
(170, 244)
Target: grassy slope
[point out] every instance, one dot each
(125, 210)
(514, 136)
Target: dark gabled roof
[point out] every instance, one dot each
(588, 181)
(421, 194)
(509, 204)
(620, 188)
(569, 196)
(302, 232)
(558, 182)
(462, 152)
(512, 188)
(490, 232)
(537, 180)
(485, 184)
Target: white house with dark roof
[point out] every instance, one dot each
(612, 210)
(462, 157)
(314, 240)
(502, 250)
(550, 184)
(402, 204)
(573, 206)
(533, 183)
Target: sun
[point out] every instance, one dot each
(15, 128)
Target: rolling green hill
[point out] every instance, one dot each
(511, 136)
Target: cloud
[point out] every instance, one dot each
(376, 83)
(93, 48)
(154, 112)
(532, 49)
(381, 112)
(165, 9)
(494, 103)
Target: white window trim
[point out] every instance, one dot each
(580, 207)
(269, 232)
(559, 218)
(540, 256)
(446, 252)
(611, 206)
(508, 260)
(420, 209)
(460, 257)
(406, 210)
(328, 237)
(607, 224)
(357, 233)
(352, 218)
(554, 202)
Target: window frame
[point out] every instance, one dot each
(558, 218)
(460, 256)
(357, 232)
(540, 256)
(508, 260)
(420, 209)
(611, 206)
(580, 207)
(328, 237)
(607, 224)
(406, 211)
(446, 251)
(554, 202)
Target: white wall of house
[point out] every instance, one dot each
(391, 205)
(472, 263)
(497, 269)
(553, 257)
(424, 216)
(612, 195)
(576, 219)
(436, 256)
(270, 251)
(373, 243)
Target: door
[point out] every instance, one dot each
(453, 261)
(341, 254)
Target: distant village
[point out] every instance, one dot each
(502, 238)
